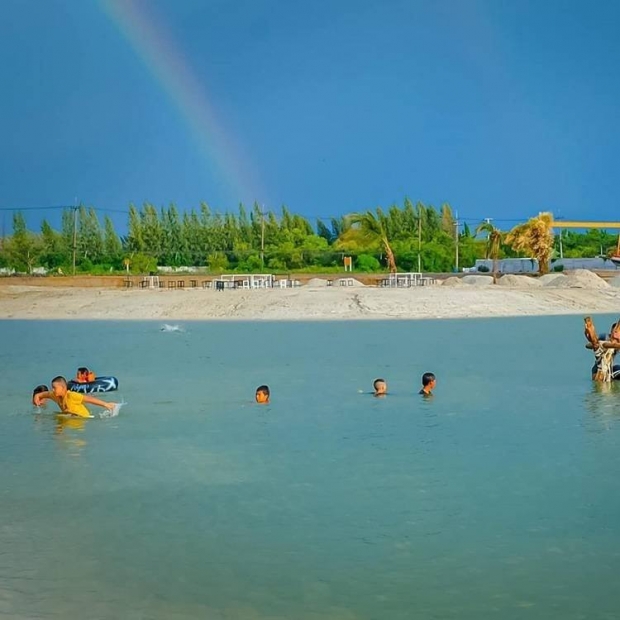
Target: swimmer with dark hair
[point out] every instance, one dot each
(84, 375)
(262, 395)
(38, 390)
(428, 384)
(380, 387)
(69, 402)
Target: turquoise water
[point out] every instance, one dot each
(497, 499)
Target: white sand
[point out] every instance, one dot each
(478, 280)
(580, 278)
(549, 278)
(515, 281)
(21, 302)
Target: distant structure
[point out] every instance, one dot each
(530, 265)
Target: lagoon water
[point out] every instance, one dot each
(498, 498)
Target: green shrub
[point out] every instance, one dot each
(277, 264)
(558, 268)
(86, 265)
(407, 261)
(483, 269)
(251, 264)
(217, 262)
(366, 262)
(142, 263)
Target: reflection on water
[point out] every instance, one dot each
(602, 402)
(67, 431)
(495, 499)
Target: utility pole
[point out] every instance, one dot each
(559, 217)
(75, 212)
(456, 241)
(262, 238)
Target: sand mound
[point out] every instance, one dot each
(549, 278)
(581, 278)
(357, 283)
(452, 281)
(615, 282)
(518, 281)
(316, 282)
(478, 280)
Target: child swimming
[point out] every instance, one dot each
(84, 375)
(262, 395)
(40, 389)
(69, 402)
(428, 384)
(380, 387)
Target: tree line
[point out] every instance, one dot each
(403, 237)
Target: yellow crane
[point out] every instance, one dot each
(583, 224)
(588, 224)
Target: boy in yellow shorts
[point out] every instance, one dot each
(70, 402)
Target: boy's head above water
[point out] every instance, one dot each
(380, 387)
(262, 394)
(59, 386)
(428, 382)
(84, 375)
(39, 390)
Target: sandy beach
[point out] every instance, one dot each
(305, 303)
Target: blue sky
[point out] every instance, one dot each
(500, 108)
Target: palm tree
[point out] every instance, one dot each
(536, 238)
(494, 242)
(374, 226)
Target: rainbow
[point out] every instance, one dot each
(151, 41)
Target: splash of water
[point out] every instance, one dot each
(171, 328)
(106, 413)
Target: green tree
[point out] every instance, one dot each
(112, 247)
(152, 232)
(535, 238)
(324, 232)
(134, 241)
(90, 239)
(374, 226)
(23, 248)
(174, 250)
(494, 243)
(68, 227)
(52, 254)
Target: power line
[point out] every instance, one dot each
(262, 213)
(63, 207)
(47, 208)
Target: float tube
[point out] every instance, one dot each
(100, 384)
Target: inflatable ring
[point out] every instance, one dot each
(99, 385)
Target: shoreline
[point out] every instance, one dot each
(301, 304)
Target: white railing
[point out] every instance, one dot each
(406, 280)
